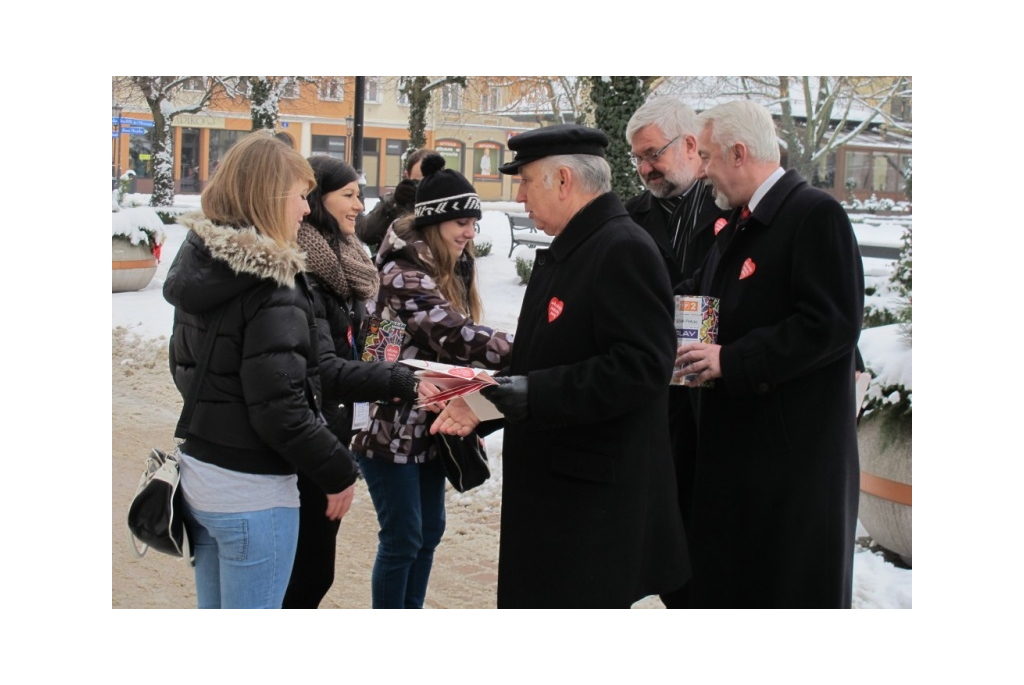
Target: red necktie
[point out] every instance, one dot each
(745, 213)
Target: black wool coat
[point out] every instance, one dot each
(645, 210)
(777, 475)
(589, 511)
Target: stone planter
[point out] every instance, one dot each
(133, 265)
(885, 485)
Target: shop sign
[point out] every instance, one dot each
(198, 121)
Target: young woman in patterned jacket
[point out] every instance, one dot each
(427, 283)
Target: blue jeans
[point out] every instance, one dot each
(243, 559)
(409, 499)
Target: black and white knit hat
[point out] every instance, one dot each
(443, 194)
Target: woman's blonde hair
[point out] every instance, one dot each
(251, 185)
(451, 284)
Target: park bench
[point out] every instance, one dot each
(524, 232)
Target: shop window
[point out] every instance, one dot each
(393, 161)
(452, 151)
(221, 141)
(140, 154)
(371, 166)
(332, 146)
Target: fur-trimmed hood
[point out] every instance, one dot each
(248, 251)
(218, 262)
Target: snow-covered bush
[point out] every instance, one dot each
(873, 204)
(888, 297)
(887, 349)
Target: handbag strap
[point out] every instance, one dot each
(193, 389)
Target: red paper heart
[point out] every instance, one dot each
(462, 372)
(391, 352)
(720, 224)
(748, 268)
(555, 307)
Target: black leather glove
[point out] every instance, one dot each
(510, 396)
(405, 194)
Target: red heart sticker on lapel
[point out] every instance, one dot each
(555, 307)
(748, 268)
(720, 224)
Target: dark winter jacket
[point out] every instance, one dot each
(258, 408)
(371, 228)
(776, 484)
(343, 377)
(435, 331)
(589, 514)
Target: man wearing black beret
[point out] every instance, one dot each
(590, 516)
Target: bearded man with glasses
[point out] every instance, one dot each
(677, 208)
(678, 211)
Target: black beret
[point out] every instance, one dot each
(562, 139)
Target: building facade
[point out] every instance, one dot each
(316, 117)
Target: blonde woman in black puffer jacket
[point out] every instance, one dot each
(257, 418)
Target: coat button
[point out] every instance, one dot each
(541, 259)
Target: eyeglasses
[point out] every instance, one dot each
(652, 158)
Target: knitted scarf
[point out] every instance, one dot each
(348, 270)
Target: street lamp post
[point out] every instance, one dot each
(348, 139)
(116, 110)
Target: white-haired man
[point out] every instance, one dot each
(777, 475)
(589, 513)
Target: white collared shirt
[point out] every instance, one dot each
(763, 189)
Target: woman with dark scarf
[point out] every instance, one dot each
(343, 279)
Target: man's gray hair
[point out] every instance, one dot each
(743, 121)
(593, 173)
(672, 116)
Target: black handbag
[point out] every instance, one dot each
(156, 514)
(464, 460)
